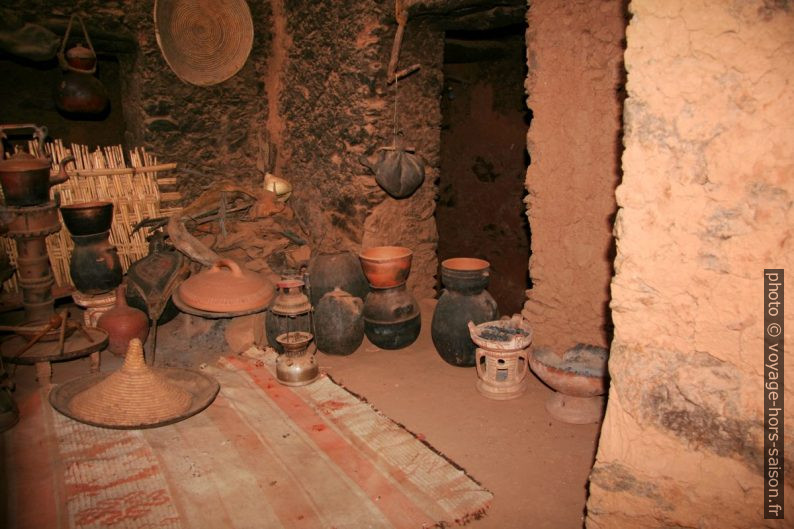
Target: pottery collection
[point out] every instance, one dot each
(392, 319)
(464, 300)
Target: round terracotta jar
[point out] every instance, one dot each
(226, 287)
(386, 266)
(123, 323)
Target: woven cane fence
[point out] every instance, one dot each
(133, 183)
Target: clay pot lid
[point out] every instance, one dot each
(203, 42)
(135, 396)
(226, 287)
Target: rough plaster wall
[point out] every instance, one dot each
(212, 131)
(575, 64)
(706, 204)
(336, 107)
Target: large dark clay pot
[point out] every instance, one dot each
(391, 318)
(339, 323)
(331, 270)
(465, 299)
(95, 267)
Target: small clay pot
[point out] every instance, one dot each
(386, 266)
(123, 323)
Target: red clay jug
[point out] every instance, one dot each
(123, 323)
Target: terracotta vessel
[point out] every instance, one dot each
(123, 323)
(464, 300)
(339, 323)
(25, 179)
(330, 270)
(226, 287)
(391, 318)
(289, 311)
(386, 266)
(94, 266)
(579, 378)
(81, 58)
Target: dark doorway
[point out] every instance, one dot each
(480, 211)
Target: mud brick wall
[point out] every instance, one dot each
(575, 58)
(705, 206)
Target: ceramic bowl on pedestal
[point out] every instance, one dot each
(579, 378)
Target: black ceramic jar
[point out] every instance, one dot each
(464, 299)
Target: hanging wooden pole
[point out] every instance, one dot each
(402, 20)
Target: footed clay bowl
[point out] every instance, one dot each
(580, 378)
(386, 266)
(581, 372)
(87, 218)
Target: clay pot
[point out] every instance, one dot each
(289, 312)
(339, 323)
(464, 300)
(330, 270)
(391, 318)
(81, 58)
(26, 180)
(226, 287)
(94, 266)
(87, 218)
(81, 93)
(123, 323)
(386, 266)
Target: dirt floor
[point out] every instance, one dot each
(536, 467)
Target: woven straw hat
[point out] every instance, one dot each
(135, 396)
(204, 41)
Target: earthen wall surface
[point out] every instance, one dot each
(705, 206)
(575, 75)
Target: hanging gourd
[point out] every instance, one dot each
(79, 92)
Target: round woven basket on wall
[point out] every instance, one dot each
(204, 42)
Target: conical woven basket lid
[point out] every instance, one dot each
(135, 396)
(204, 42)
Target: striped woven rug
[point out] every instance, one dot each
(261, 456)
